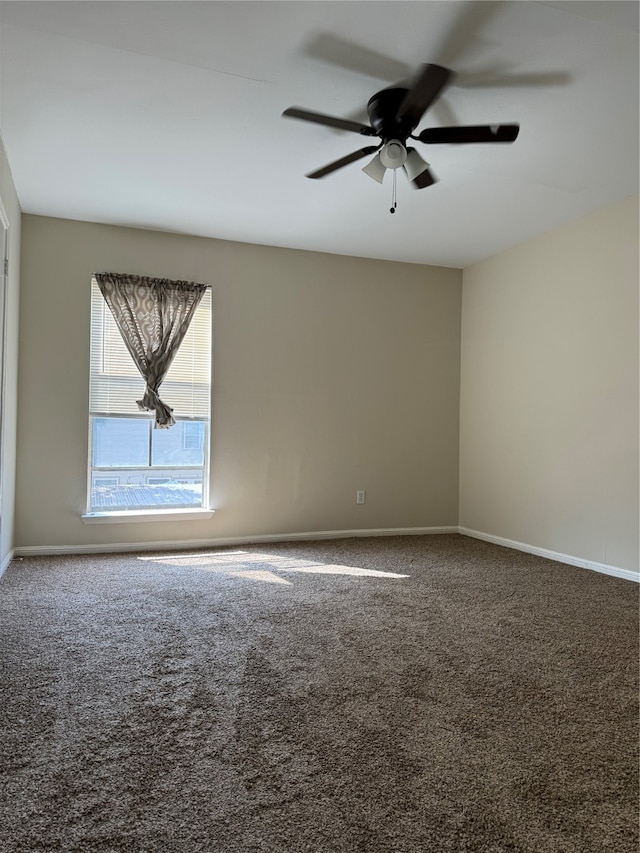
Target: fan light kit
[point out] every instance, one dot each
(394, 114)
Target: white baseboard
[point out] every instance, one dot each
(570, 560)
(186, 544)
(6, 561)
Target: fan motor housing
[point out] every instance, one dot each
(383, 108)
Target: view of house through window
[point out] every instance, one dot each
(133, 466)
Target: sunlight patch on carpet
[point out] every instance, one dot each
(267, 577)
(240, 564)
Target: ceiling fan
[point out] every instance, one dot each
(394, 113)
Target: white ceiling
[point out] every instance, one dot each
(167, 115)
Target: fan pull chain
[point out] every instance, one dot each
(394, 203)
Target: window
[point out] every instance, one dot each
(133, 466)
(192, 436)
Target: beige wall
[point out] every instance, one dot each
(549, 391)
(330, 374)
(12, 298)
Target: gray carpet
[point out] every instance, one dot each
(381, 695)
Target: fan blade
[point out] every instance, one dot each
(466, 35)
(348, 54)
(501, 78)
(471, 133)
(329, 121)
(425, 90)
(344, 161)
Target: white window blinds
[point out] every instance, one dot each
(115, 383)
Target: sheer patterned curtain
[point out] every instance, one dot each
(152, 315)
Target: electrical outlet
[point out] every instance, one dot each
(361, 496)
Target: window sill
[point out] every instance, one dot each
(138, 515)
